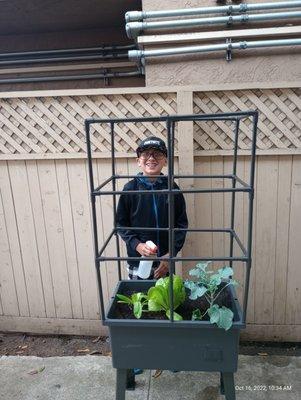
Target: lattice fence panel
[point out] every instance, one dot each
(279, 124)
(52, 125)
(37, 126)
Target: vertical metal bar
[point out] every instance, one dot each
(250, 218)
(172, 145)
(114, 197)
(233, 186)
(94, 219)
(172, 160)
(170, 127)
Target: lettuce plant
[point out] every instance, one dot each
(137, 301)
(208, 284)
(158, 296)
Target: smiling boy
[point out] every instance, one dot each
(150, 210)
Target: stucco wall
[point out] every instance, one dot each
(264, 65)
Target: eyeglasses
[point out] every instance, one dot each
(157, 154)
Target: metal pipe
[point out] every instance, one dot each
(250, 217)
(242, 247)
(202, 230)
(218, 116)
(66, 51)
(173, 259)
(139, 54)
(70, 77)
(175, 176)
(224, 230)
(133, 29)
(244, 184)
(209, 117)
(141, 15)
(234, 168)
(114, 198)
(139, 228)
(171, 263)
(63, 59)
(94, 218)
(106, 243)
(103, 184)
(166, 191)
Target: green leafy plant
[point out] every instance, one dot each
(137, 301)
(208, 284)
(158, 296)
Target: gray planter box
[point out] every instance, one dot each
(181, 345)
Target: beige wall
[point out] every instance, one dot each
(174, 4)
(247, 66)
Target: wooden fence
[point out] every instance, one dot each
(47, 277)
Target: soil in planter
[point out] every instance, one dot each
(187, 308)
(124, 311)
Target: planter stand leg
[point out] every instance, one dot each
(120, 384)
(227, 385)
(130, 379)
(125, 380)
(222, 389)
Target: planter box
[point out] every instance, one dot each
(181, 345)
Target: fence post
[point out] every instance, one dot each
(186, 167)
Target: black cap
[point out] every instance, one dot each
(152, 142)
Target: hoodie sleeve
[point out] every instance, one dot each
(123, 219)
(181, 220)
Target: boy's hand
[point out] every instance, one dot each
(162, 270)
(145, 250)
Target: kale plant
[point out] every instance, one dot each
(208, 284)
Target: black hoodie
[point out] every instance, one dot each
(150, 210)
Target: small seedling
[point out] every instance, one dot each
(137, 301)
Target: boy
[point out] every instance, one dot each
(150, 210)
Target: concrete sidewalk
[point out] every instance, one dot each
(93, 378)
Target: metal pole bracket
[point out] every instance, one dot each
(230, 20)
(104, 71)
(244, 18)
(243, 8)
(229, 10)
(142, 65)
(229, 50)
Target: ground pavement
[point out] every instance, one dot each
(93, 378)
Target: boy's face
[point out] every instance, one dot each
(151, 161)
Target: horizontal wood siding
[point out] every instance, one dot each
(274, 297)
(46, 205)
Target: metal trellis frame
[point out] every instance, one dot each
(237, 185)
